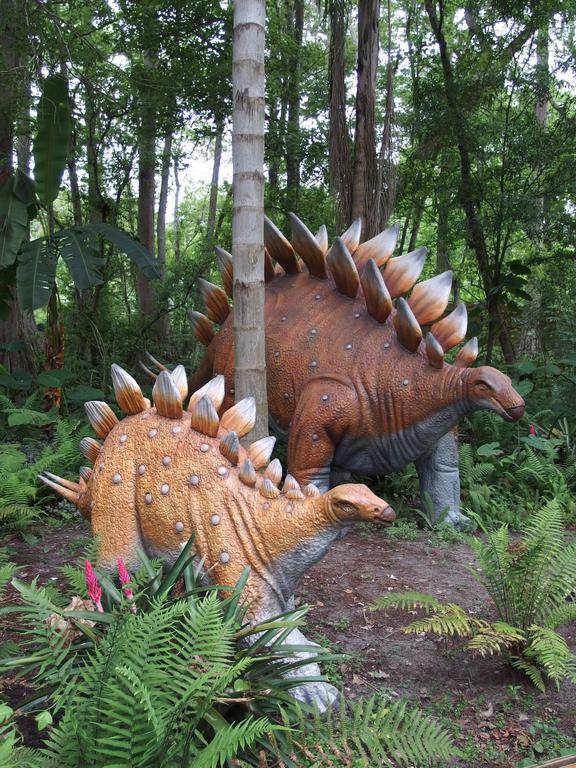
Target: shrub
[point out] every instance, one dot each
(532, 584)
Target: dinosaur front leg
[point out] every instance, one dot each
(440, 479)
(323, 413)
(322, 695)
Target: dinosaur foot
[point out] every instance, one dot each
(456, 519)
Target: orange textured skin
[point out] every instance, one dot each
(320, 343)
(156, 482)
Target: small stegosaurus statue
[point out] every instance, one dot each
(351, 378)
(164, 474)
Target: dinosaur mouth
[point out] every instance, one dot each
(516, 412)
(508, 414)
(384, 516)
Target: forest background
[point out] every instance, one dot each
(456, 121)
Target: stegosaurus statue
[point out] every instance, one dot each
(164, 474)
(350, 376)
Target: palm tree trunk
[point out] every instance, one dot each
(248, 214)
(213, 203)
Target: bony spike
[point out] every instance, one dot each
(128, 394)
(261, 450)
(408, 330)
(241, 417)
(101, 417)
(204, 417)
(166, 396)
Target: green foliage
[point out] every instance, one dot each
(19, 468)
(50, 148)
(17, 198)
(532, 583)
(161, 680)
(371, 731)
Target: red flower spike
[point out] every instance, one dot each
(94, 588)
(532, 430)
(124, 579)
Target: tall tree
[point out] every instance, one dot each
(17, 331)
(248, 210)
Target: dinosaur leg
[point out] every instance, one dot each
(264, 607)
(339, 477)
(439, 477)
(324, 410)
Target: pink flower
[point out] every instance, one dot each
(94, 589)
(532, 430)
(124, 579)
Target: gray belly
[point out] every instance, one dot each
(390, 452)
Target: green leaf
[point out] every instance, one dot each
(16, 380)
(81, 394)
(55, 378)
(524, 387)
(54, 125)
(36, 273)
(13, 222)
(26, 417)
(489, 449)
(524, 367)
(81, 258)
(132, 248)
(43, 719)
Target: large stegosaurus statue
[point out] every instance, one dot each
(164, 474)
(350, 376)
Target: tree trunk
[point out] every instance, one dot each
(177, 234)
(416, 221)
(531, 337)
(74, 185)
(296, 25)
(213, 204)
(147, 302)
(248, 213)
(163, 200)
(469, 196)
(338, 139)
(164, 320)
(385, 197)
(14, 326)
(365, 175)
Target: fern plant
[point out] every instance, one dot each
(171, 664)
(19, 489)
(532, 584)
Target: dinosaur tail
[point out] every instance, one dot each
(73, 492)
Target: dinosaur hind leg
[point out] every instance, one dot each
(440, 481)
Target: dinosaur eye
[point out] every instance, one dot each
(346, 508)
(483, 387)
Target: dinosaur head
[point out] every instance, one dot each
(350, 502)
(489, 389)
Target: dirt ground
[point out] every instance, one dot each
(495, 716)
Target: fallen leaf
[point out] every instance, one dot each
(488, 712)
(358, 680)
(379, 674)
(523, 717)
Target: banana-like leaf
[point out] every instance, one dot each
(50, 149)
(36, 273)
(13, 222)
(132, 248)
(81, 258)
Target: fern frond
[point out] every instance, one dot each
(374, 732)
(229, 741)
(550, 651)
(405, 601)
(448, 620)
(531, 671)
(491, 639)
